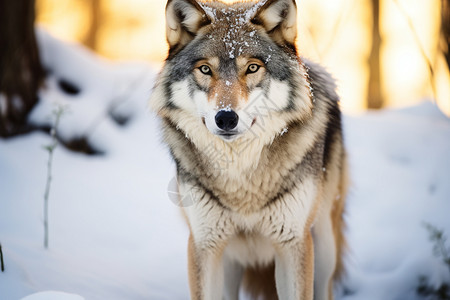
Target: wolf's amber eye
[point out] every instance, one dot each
(253, 68)
(205, 70)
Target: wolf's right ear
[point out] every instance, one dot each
(279, 18)
(183, 19)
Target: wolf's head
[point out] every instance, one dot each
(232, 71)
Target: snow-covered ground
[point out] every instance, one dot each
(114, 233)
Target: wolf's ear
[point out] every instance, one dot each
(279, 18)
(183, 19)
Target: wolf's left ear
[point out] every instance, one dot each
(183, 19)
(279, 18)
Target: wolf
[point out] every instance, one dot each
(255, 133)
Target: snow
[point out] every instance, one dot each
(115, 234)
(53, 296)
(400, 166)
(107, 89)
(252, 11)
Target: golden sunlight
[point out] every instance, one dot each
(336, 33)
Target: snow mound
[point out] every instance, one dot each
(400, 168)
(53, 296)
(96, 94)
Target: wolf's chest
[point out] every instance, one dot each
(277, 222)
(250, 250)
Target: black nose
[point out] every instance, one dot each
(227, 120)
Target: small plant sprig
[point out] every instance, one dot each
(440, 250)
(57, 114)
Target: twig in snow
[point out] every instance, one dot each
(57, 112)
(2, 263)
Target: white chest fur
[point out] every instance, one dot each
(249, 239)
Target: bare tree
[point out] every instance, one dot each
(21, 72)
(95, 10)
(375, 96)
(445, 10)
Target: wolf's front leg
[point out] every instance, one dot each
(210, 227)
(233, 272)
(294, 269)
(205, 271)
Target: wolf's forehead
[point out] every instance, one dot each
(231, 31)
(230, 14)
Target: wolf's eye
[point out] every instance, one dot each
(253, 68)
(205, 70)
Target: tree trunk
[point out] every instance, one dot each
(95, 10)
(21, 72)
(445, 11)
(375, 95)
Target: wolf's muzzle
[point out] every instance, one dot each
(227, 120)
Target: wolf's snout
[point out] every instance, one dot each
(227, 120)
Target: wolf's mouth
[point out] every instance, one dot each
(228, 135)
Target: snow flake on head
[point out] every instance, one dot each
(231, 22)
(210, 11)
(223, 107)
(233, 39)
(252, 11)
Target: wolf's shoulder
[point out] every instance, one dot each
(322, 82)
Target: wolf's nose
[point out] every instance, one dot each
(227, 120)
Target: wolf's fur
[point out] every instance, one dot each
(271, 191)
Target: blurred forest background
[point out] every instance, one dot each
(383, 53)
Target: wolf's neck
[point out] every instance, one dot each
(243, 174)
(232, 159)
(245, 178)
